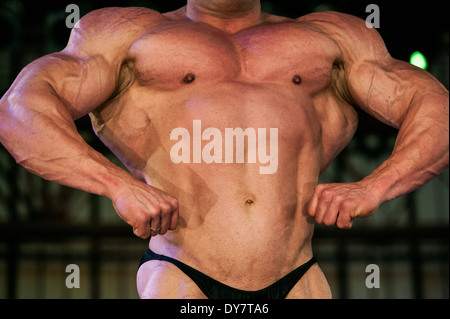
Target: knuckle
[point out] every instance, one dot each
(326, 191)
(165, 207)
(327, 195)
(320, 187)
(153, 211)
(175, 203)
(338, 197)
(141, 219)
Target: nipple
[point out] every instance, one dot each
(189, 78)
(297, 79)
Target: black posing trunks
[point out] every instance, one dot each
(214, 289)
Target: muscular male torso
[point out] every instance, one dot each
(184, 87)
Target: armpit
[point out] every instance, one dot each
(339, 83)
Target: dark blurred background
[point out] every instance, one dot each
(44, 226)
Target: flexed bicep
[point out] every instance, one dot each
(397, 94)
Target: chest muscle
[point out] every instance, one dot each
(282, 53)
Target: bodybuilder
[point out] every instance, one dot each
(225, 116)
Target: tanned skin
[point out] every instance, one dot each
(140, 74)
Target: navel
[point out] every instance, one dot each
(297, 79)
(249, 202)
(189, 78)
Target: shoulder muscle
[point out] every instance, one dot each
(351, 33)
(110, 31)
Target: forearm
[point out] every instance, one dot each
(421, 150)
(39, 132)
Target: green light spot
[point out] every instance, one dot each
(419, 60)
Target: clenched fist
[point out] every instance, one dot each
(148, 210)
(339, 204)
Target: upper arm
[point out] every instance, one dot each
(88, 70)
(369, 77)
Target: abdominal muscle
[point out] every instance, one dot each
(248, 246)
(236, 225)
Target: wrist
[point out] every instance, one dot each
(381, 182)
(114, 180)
